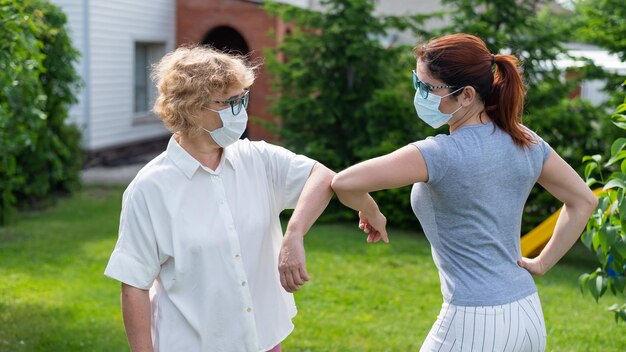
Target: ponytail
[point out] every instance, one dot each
(461, 60)
(505, 103)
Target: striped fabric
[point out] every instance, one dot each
(515, 327)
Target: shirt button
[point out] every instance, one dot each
(243, 283)
(249, 310)
(237, 255)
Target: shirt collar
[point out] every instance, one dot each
(188, 164)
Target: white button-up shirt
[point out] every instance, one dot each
(206, 244)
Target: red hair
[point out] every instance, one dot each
(461, 60)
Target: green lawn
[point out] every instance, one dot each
(53, 296)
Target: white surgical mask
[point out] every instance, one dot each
(428, 109)
(232, 128)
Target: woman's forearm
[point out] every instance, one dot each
(136, 312)
(558, 178)
(314, 198)
(569, 226)
(359, 201)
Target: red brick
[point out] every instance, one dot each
(196, 18)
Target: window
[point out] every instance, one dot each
(146, 54)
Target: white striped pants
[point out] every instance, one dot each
(513, 327)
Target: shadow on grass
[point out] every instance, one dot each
(57, 236)
(53, 296)
(343, 239)
(345, 243)
(31, 327)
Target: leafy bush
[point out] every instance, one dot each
(606, 230)
(602, 23)
(535, 34)
(573, 128)
(41, 152)
(342, 96)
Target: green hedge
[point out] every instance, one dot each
(41, 153)
(343, 97)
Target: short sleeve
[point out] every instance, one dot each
(543, 145)
(135, 259)
(545, 148)
(434, 153)
(288, 172)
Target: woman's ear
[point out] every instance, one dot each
(468, 95)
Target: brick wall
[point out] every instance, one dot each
(196, 18)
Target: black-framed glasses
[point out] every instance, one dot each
(236, 103)
(424, 88)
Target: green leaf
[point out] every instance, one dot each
(591, 181)
(599, 287)
(595, 158)
(613, 307)
(622, 314)
(619, 283)
(620, 247)
(591, 286)
(602, 257)
(587, 237)
(612, 234)
(616, 157)
(622, 213)
(603, 203)
(582, 282)
(614, 183)
(597, 240)
(603, 240)
(589, 168)
(618, 145)
(619, 120)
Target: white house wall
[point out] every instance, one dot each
(115, 26)
(75, 10)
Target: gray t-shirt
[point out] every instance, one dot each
(471, 211)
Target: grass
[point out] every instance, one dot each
(53, 296)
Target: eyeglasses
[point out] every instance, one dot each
(236, 103)
(424, 88)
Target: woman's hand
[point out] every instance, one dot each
(374, 227)
(292, 263)
(533, 266)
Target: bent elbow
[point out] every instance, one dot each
(322, 174)
(592, 203)
(584, 203)
(587, 203)
(328, 178)
(338, 182)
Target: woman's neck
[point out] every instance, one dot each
(475, 115)
(202, 148)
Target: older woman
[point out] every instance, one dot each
(200, 235)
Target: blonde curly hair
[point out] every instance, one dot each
(189, 78)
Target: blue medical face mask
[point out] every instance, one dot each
(428, 108)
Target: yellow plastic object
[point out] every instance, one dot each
(533, 242)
